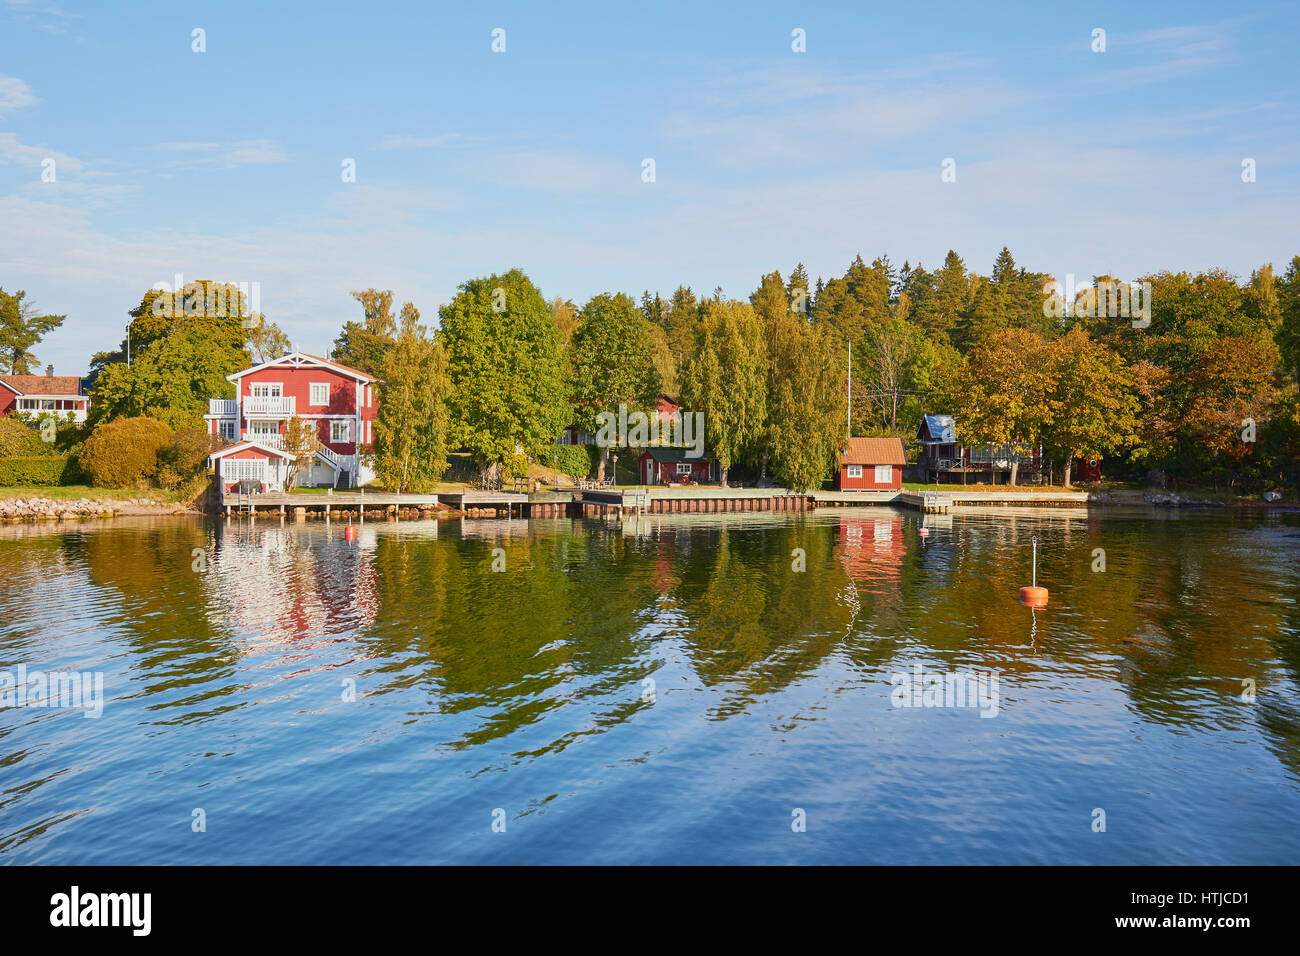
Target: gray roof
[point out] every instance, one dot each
(942, 428)
(669, 453)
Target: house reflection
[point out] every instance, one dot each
(872, 549)
(292, 589)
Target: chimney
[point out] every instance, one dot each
(49, 371)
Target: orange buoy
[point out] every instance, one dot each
(350, 533)
(1033, 595)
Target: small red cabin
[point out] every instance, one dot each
(250, 461)
(661, 465)
(871, 464)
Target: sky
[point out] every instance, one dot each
(229, 163)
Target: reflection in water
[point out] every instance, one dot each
(656, 688)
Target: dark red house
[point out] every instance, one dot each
(339, 401)
(871, 464)
(660, 465)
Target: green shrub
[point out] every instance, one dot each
(188, 453)
(516, 466)
(124, 452)
(18, 439)
(29, 472)
(571, 460)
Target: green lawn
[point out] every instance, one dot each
(73, 492)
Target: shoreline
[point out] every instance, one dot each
(39, 508)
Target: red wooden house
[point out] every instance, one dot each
(338, 400)
(47, 394)
(871, 464)
(666, 464)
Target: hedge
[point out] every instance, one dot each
(571, 460)
(36, 472)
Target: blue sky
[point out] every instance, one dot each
(226, 164)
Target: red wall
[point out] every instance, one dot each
(7, 400)
(667, 471)
(868, 480)
(343, 397)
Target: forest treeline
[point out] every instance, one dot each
(1205, 391)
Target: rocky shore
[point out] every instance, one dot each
(57, 509)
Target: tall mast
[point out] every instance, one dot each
(849, 392)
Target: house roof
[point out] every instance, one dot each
(247, 445)
(874, 451)
(668, 454)
(43, 384)
(942, 428)
(300, 359)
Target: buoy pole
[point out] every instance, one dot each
(1034, 596)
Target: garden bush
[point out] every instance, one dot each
(571, 460)
(124, 452)
(42, 472)
(21, 440)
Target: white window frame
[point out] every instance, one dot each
(227, 428)
(311, 394)
(254, 393)
(343, 425)
(243, 469)
(854, 471)
(884, 474)
(684, 468)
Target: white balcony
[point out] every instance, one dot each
(269, 406)
(271, 440)
(222, 407)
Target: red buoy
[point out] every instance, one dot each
(350, 533)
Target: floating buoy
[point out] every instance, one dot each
(350, 534)
(924, 532)
(1033, 595)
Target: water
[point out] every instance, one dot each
(523, 696)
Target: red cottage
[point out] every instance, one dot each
(244, 461)
(661, 465)
(871, 464)
(47, 394)
(338, 400)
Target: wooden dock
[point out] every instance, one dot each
(476, 503)
(640, 500)
(358, 501)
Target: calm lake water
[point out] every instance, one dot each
(657, 692)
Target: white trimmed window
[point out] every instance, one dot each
(243, 469)
(884, 474)
(855, 471)
(228, 427)
(683, 468)
(341, 430)
(320, 393)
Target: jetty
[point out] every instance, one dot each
(233, 502)
(596, 502)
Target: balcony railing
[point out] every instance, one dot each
(271, 441)
(267, 406)
(222, 407)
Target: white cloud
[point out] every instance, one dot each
(14, 94)
(419, 142)
(20, 154)
(244, 153)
